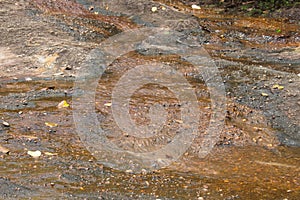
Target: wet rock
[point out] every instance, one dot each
(253, 122)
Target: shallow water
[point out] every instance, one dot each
(257, 155)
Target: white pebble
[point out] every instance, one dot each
(154, 9)
(196, 7)
(6, 124)
(34, 154)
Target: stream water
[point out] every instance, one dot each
(43, 56)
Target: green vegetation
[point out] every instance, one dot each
(274, 4)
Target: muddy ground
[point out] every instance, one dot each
(44, 45)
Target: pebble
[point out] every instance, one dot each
(144, 171)
(91, 8)
(68, 68)
(147, 183)
(154, 9)
(264, 94)
(4, 150)
(34, 154)
(108, 104)
(6, 124)
(196, 7)
(257, 129)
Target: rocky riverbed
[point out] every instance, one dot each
(43, 48)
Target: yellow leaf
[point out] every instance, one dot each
(63, 104)
(51, 125)
(276, 86)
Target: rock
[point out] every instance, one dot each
(108, 104)
(4, 150)
(34, 154)
(6, 124)
(68, 68)
(154, 9)
(196, 7)
(264, 94)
